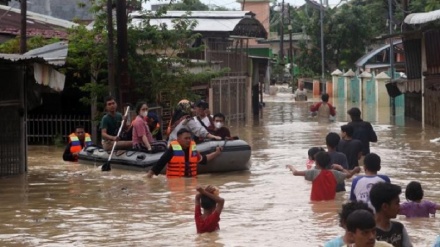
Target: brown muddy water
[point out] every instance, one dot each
(65, 204)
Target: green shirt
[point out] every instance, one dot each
(111, 124)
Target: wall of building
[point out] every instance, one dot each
(262, 14)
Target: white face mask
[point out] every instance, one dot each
(145, 113)
(218, 125)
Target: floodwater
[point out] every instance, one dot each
(64, 204)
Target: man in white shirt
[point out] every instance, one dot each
(202, 115)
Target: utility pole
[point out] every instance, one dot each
(321, 12)
(282, 36)
(390, 22)
(110, 50)
(121, 19)
(292, 67)
(23, 10)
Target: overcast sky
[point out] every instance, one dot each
(232, 4)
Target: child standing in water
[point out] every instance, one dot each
(311, 161)
(208, 199)
(415, 206)
(323, 180)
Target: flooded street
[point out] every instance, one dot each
(67, 204)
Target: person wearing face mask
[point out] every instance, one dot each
(141, 136)
(220, 130)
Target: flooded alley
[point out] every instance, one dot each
(67, 204)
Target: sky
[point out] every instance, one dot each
(232, 4)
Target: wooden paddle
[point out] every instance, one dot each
(106, 167)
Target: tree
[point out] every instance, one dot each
(188, 5)
(424, 5)
(13, 45)
(349, 30)
(154, 62)
(87, 58)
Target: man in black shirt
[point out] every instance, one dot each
(362, 130)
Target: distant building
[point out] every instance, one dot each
(37, 25)
(157, 6)
(63, 9)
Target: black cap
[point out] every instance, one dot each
(202, 104)
(355, 112)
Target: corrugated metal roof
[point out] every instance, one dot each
(241, 23)
(37, 24)
(195, 14)
(421, 18)
(53, 54)
(361, 61)
(203, 25)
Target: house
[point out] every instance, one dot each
(422, 52)
(36, 25)
(61, 9)
(225, 36)
(20, 96)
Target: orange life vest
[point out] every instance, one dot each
(75, 143)
(176, 166)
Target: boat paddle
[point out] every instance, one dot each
(106, 167)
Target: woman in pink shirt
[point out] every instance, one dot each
(141, 136)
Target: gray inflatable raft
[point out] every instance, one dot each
(235, 157)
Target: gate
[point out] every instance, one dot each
(229, 96)
(12, 124)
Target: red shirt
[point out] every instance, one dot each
(208, 224)
(314, 108)
(324, 186)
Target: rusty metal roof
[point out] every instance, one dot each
(37, 24)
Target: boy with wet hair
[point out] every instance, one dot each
(323, 109)
(323, 179)
(352, 148)
(361, 230)
(347, 209)
(331, 140)
(385, 199)
(208, 198)
(361, 185)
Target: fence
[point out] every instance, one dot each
(12, 106)
(46, 128)
(229, 96)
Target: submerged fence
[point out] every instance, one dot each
(46, 129)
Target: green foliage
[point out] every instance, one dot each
(13, 45)
(424, 5)
(58, 140)
(155, 61)
(188, 5)
(349, 30)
